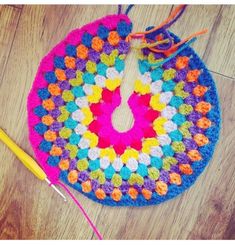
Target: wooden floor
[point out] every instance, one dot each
(29, 209)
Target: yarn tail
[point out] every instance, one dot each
(95, 229)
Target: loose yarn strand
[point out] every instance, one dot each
(95, 229)
(119, 8)
(174, 54)
(130, 6)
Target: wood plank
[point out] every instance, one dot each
(216, 47)
(29, 209)
(9, 17)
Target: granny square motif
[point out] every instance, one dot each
(77, 87)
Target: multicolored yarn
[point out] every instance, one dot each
(75, 92)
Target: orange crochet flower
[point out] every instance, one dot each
(82, 51)
(60, 74)
(64, 164)
(113, 38)
(116, 195)
(73, 176)
(175, 179)
(100, 194)
(48, 104)
(199, 90)
(70, 62)
(86, 186)
(186, 169)
(54, 89)
(161, 188)
(133, 193)
(193, 75)
(147, 194)
(55, 151)
(50, 135)
(203, 107)
(97, 44)
(204, 123)
(47, 120)
(200, 139)
(182, 62)
(194, 155)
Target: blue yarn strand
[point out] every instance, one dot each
(129, 8)
(119, 8)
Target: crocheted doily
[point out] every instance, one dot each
(77, 88)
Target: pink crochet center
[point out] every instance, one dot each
(134, 133)
(46, 64)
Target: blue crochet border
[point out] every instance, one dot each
(206, 151)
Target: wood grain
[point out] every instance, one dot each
(29, 209)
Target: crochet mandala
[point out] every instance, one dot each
(77, 88)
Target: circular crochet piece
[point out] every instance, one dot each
(76, 90)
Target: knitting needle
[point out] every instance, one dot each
(27, 160)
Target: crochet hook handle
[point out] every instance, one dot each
(27, 160)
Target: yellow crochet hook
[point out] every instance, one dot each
(27, 160)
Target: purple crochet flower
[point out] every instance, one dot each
(64, 85)
(70, 73)
(83, 176)
(94, 55)
(138, 187)
(180, 75)
(175, 169)
(56, 126)
(95, 184)
(124, 187)
(149, 184)
(55, 113)
(58, 100)
(170, 63)
(195, 130)
(164, 176)
(72, 164)
(190, 144)
(188, 87)
(192, 100)
(123, 47)
(65, 154)
(107, 48)
(194, 116)
(80, 64)
(60, 142)
(108, 187)
(182, 158)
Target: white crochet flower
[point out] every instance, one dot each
(78, 115)
(88, 89)
(84, 143)
(104, 162)
(146, 78)
(144, 158)
(169, 112)
(132, 164)
(164, 139)
(80, 129)
(156, 87)
(166, 97)
(156, 151)
(100, 81)
(93, 153)
(82, 102)
(112, 73)
(117, 164)
(170, 126)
